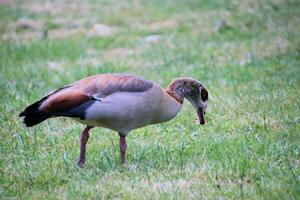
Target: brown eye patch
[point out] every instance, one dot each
(204, 94)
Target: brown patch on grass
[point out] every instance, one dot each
(270, 47)
(274, 124)
(25, 23)
(33, 34)
(25, 35)
(24, 29)
(63, 33)
(51, 7)
(54, 65)
(102, 30)
(152, 38)
(59, 7)
(29, 33)
(168, 24)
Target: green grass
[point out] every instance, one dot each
(250, 63)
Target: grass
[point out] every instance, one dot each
(246, 53)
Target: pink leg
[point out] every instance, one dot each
(83, 140)
(123, 147)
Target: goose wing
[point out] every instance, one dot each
(72, 100)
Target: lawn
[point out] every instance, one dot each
(247, 53)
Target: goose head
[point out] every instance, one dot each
(194, 91)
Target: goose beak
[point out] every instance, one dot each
(200, 113)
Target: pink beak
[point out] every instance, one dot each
(200, 113)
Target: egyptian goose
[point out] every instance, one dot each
(119, 102)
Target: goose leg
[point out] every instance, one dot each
(123, 147)
(83, 140)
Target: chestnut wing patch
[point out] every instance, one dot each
(89, 90)
(63, 100)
